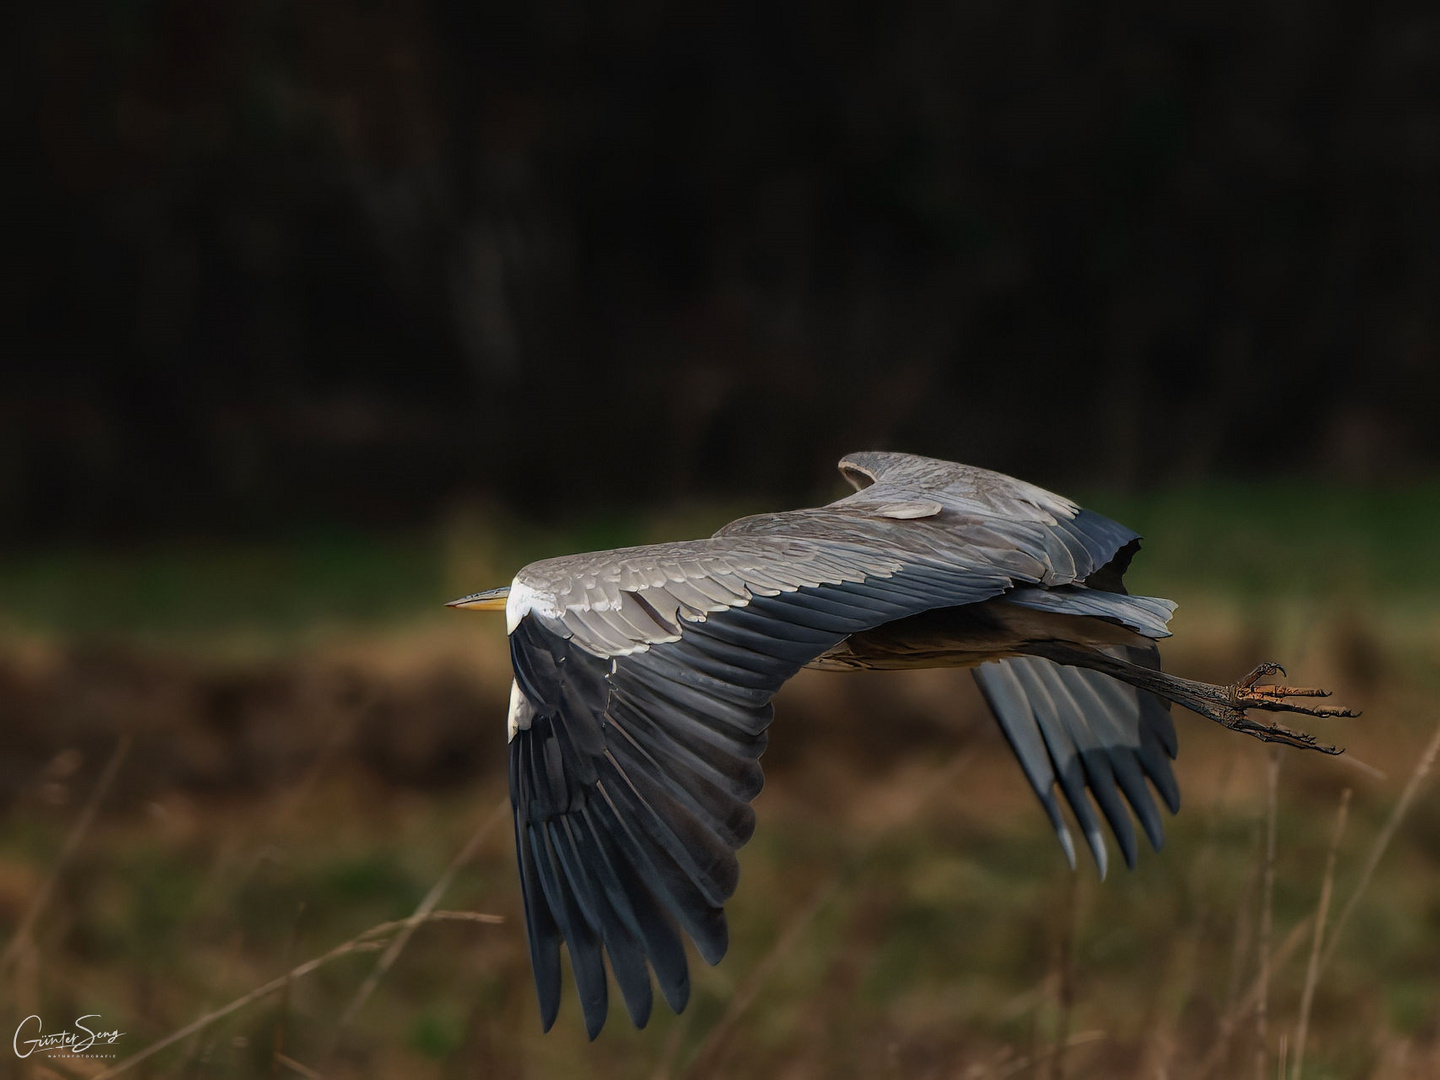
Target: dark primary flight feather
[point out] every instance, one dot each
(644, 677)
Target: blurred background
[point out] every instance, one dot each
(320, 315)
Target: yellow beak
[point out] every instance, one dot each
(489, 600)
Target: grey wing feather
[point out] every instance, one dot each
(920, 528)
(1086, 732)
(1147, 615)
(958, 510)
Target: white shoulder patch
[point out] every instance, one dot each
(521, 713)
(523, 600)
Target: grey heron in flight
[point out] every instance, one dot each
(643, 679)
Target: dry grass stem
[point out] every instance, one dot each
(297, 1068)
(1239, 950)
(717, 1039)
(368, 941)
(1262, 1007)
(1322, 911)
(1065, 978)
(1019, 1065)
(1369, 770)
(1276, 961)
(288, 802)
(671, 1050)
(1220, 1048)
(421, 913)
(67, 851)
(1382, 841)
(277, 1050)
(1182, 970)
(708, 1056)
(224, 877)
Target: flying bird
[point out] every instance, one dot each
(641, 702)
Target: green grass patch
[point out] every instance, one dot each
(1252, 542)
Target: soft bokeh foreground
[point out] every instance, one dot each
(314, 741)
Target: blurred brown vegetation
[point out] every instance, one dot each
(903, 909)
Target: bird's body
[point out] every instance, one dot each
(643, 680)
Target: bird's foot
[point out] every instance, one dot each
(1251, 693)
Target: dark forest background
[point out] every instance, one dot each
(329, 261)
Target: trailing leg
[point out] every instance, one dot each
(1226, 705)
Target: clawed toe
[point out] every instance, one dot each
(1248, 693)
(1279, 733)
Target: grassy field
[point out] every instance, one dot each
(313, 740)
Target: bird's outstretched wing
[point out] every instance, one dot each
(643, 686)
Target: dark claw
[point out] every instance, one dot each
(1267, 668)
